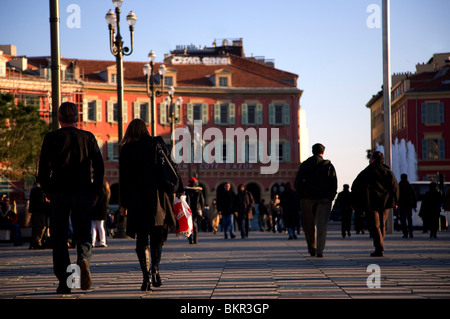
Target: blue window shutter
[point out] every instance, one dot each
(441, 112)
(424, 113)
(424, 149)
(441, 148)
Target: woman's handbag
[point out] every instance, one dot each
(169, 175)
(183, 215)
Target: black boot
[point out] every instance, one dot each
(144, 261)
(156, 258)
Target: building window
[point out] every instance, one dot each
(432, 113)
(168, 80)
(197, 112)
(92, 110)
(223, 81)
(279, 114)
(143, 112)
(433, 149)
(113, 78)
(113, 151)
(116, 112)
(251, 114)
(223, 113)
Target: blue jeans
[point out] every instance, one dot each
(227, 223)
(79, 209)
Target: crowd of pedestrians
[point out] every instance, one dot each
(71, 197)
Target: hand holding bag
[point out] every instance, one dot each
(183, 215)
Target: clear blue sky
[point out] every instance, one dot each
(327, 43)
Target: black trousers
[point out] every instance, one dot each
(79, 209)
(156, 236)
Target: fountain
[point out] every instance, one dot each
(404, 159)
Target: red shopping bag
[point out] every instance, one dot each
(183, 215)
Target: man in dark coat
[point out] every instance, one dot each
(71, 172)
(226, 206)
(430, 210)
(344, 204)
(244, 206)
(196, 202)
(406, 203)
(375, 190)
(316, 186)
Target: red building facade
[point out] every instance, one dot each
(420, 106)
(219, 86)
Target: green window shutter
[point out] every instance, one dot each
(216, 113)
(125, 112)
(204, 113)
(162, 113)
(231, 113)
(259, 114)
(110, 146)
(136, 110)
(85, 110)
(423, 109)
(287, 114)
(190, 113)
(271, 114)
(287, 151)
(110, 111)
(98, 110)
(177, 113)
(244, 115)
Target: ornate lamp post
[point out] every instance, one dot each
(171, 111)
(151, 92)
(118, 50)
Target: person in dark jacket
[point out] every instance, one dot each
(316, 186)
(144, 198)
(244, 207)
(290, 207)
(344, 204)
(375, 190)
(99, 216)
(71, 172)
(430, 210)
(39, 213)
(196, 202)
(406, 203)
(226, 206)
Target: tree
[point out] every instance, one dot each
(21, 136)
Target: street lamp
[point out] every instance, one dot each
(118, 50)
(171, 108)
(151, 92)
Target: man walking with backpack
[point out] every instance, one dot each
(316, 186)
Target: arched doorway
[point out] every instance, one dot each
(255, 189)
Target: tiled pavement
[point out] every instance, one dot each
(264, 266)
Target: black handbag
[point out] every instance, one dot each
(169, 176)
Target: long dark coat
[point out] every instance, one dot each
(141, 187)
(375, 189)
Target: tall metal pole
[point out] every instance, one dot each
(387, 86)
(119, 79)
(56, 61)
(387, 99)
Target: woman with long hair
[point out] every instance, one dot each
(143, 198)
